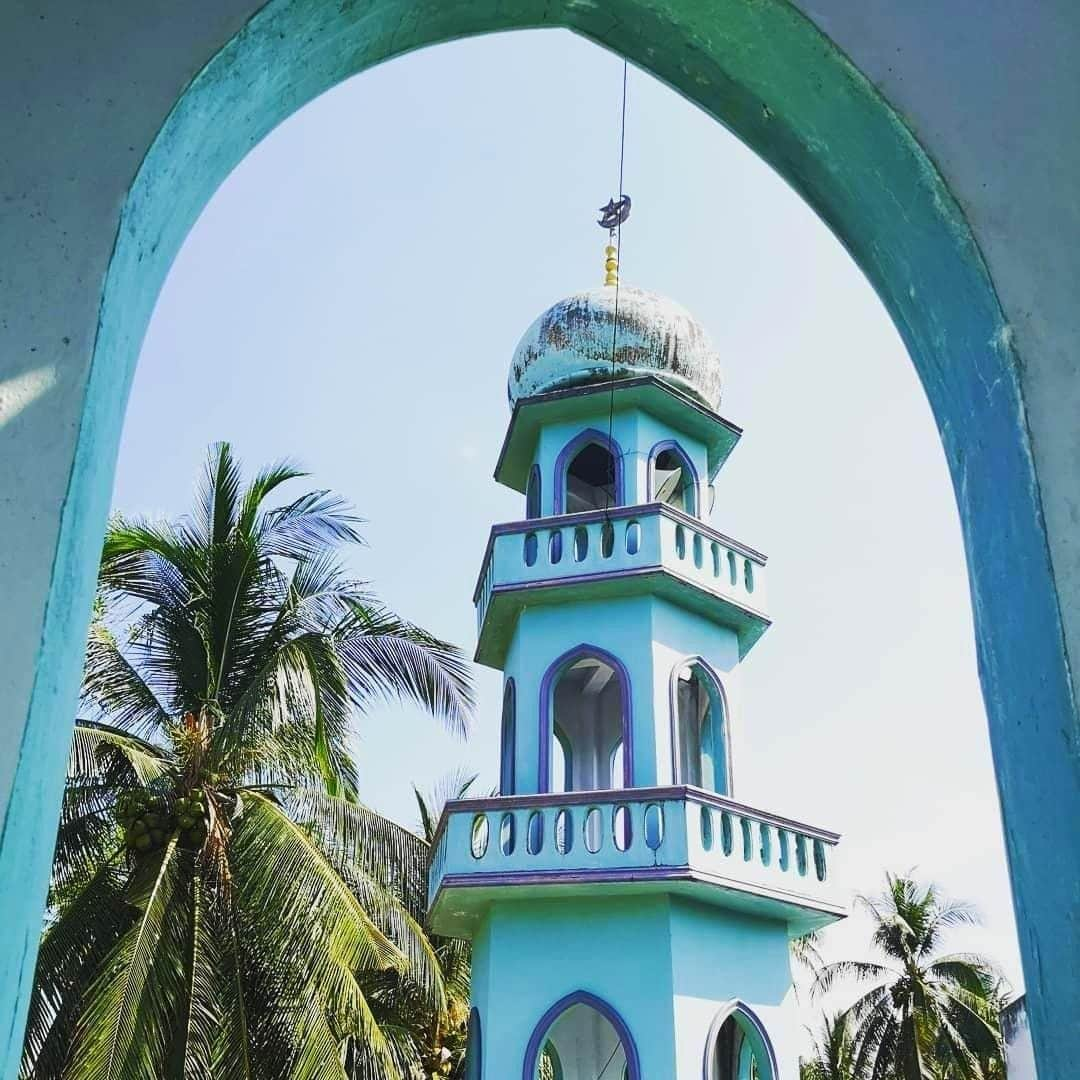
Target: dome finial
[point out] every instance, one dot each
(611, 265)
(612, 217)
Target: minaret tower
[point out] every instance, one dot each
(630, 920)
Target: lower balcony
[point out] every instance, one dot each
(674, 839)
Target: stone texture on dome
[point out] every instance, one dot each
(570, 345)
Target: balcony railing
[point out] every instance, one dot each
(680, 838)
(621, 544)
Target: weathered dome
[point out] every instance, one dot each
(570, 345)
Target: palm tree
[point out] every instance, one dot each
(219, 897)
(926, 1016)
(834, 1053)
(432, 1041)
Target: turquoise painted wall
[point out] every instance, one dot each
(650, 636)
(666, 965)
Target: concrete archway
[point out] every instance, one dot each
(229, 72)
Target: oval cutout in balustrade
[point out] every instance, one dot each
(819, 860)
(633, 538)
(698, 549)
(581, 543)
(593, 830)
(680, 541)
(748, 575)
(507, 837)
(727, 840)
(766, 844)
(564, 832)
(532, 549)
(715, 559)
(785, 854)
(706, 828)
(534, 833)
(478, 842)
(607, 540)
(654, 826)
(622, 827)
(732, 568)
(800, 855)
(747, 841)
(555, 547)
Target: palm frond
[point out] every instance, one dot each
(386, 656)
(125, 1027)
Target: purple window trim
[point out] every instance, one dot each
(581, 997)
(475, 1048)
(547, 689)
(570, 451)
(659, 448)
(725, 719)
(747, 1018)
(508, 744)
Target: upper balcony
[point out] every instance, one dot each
(627, 550)
(677, 840)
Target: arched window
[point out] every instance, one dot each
(672, 478)
(585, 718)
(508, 747)
(474, 1049)
(588, 474)
(532, 494)
(699, 729)
(738, 1048)
(581, 1038)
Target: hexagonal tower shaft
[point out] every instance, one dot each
(629, 918)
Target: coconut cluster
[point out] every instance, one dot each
(191, 818)
(147, 820)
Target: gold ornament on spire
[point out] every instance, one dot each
(611, 265)
(612, 217)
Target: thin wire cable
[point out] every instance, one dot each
(618, 276)
(600, 1074)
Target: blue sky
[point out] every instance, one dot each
(351, 297)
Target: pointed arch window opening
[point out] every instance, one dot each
(581, 1037)
(585, 728)
(588, 474)
(534, 494)
(508, 746)
(738, 1047)
(672, 478)
(700, 730)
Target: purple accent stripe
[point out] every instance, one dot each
(667, 793)
(581, 997)
(547, 687)
(617, 575)
(616, 513)
(633, 875)
(570, 451)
